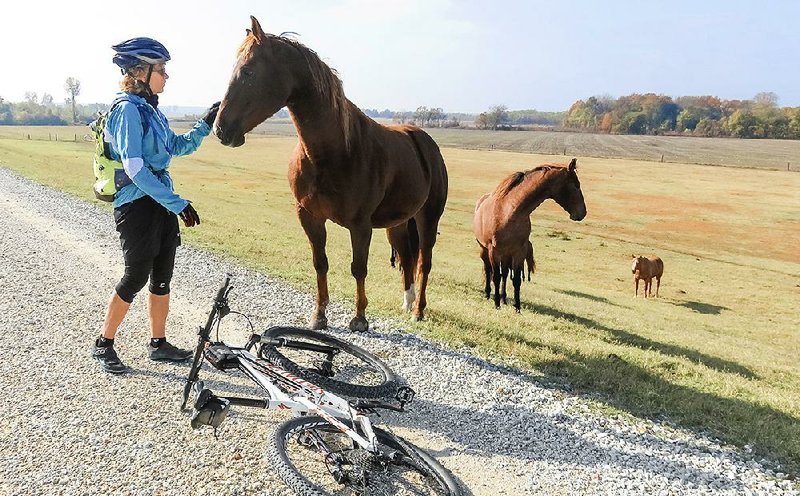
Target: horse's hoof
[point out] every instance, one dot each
(359, 324)
(417, 317)
(517, 309)
(318, 323)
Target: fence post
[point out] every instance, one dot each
(565, 150)
(49, 137)
(29, 136)
(787, 166)
(662, 158)
(76, 138)
(56, 136)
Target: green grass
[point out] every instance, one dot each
(716, 353)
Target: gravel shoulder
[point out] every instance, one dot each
(68, 428)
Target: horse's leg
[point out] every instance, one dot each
(496, 276)
(317, 237)
(360, 238)
(487, 273)
(636, 286)
(516, 279)
(503, 278)
(658, 284)
(648, 282)
(401, 247)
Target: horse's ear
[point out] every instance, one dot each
(573, 164)
(256, 30)
(248, 31)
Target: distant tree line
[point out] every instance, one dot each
(688, 115)
(35, 111)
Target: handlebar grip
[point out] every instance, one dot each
(224, 288)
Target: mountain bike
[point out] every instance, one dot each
(331, 446)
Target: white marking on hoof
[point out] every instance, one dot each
(408, 299)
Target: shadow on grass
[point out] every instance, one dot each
(700, 307)
(515, 428)
(587, 296)
(620, 337)
(518, 430)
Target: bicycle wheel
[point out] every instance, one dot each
(296, 451)
(351, 371)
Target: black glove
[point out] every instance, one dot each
(211, 114)
(189, 216)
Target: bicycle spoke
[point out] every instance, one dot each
(350, 470)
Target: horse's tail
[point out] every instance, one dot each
(430, 157)
(531, 261)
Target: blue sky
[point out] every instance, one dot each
(458, 55)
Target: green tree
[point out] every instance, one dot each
(742, 124)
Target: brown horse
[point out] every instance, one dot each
(502, 223)
(346, 168)
(646, 268)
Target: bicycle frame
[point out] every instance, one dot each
(302, 397)
(283, 389)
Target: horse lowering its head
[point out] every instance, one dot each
(646, 268)
(346, 168)
(502, 223)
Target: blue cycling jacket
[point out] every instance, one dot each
(145, 150)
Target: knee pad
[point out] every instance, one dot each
(132, 282)
(160, 288)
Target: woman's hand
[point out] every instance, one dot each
(211, 114)
(189, 216)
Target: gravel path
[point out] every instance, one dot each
(68, 428)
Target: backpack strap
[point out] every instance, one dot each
(101, 129)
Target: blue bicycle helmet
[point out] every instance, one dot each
(137, 51)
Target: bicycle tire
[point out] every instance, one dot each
(425, 474)
(381, 381)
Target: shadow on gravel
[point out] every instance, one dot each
(620, 337)
(524, 434)
(521, 432)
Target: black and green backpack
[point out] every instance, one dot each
(109, 175)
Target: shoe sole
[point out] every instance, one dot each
(110, 370)
(174, 360)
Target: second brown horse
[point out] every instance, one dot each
(502, 223)
(346, 168)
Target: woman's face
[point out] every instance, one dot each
(158, 79)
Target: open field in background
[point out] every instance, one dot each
(717, 353)
(762, 154)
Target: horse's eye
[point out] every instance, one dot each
(247, 73)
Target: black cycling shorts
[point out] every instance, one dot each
(149, 236)
(146, 228)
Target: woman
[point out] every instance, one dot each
(146, 209)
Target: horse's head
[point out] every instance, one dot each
(261, 84)
(637, 260)
(569, 194)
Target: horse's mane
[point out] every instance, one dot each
(515, 179)
(325, 79)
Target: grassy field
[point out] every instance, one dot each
(718, 352)
(763, 154)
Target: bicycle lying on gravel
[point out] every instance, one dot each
(330, 446)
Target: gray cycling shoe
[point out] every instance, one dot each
(168, 353)
(107, 357)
